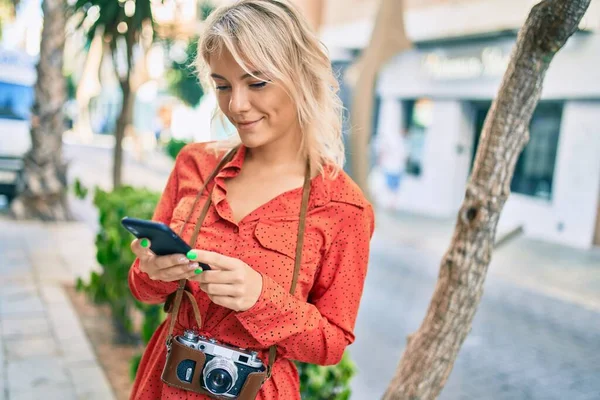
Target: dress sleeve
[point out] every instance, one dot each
(319, 330)
(142, 287)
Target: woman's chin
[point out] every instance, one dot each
(252, 140)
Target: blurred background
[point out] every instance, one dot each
(537, 332)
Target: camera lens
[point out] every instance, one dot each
(219, 381)
(219, 375)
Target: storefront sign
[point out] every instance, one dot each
(490, 62)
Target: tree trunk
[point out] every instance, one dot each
(432, 350)
(124, 121)
(313, 11)
(126, 116)
(45, 175)
(388, 39)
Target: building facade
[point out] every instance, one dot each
(434, 99)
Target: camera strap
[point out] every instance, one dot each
(181, 287)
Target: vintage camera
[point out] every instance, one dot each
(225, 369)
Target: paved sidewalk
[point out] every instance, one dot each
(44, 352)
(557, 271)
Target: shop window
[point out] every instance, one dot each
(534, 172)
(418, 115)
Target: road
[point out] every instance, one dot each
(523, 345)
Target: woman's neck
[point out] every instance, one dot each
(280, 155)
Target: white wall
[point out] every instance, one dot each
(573, 73)
(574, 201)
(439, 189)
(350, 25)
(452, 19)
(569, 218)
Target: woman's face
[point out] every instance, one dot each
(261, 111)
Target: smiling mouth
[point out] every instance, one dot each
(250, 124)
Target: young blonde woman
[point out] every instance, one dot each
(274, 83)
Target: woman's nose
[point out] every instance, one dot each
(239, 101)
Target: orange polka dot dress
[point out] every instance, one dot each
(316, 323)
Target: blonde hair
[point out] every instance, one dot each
(272, 36)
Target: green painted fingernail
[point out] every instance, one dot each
(197, 271)
(144, 243)
(191, 255)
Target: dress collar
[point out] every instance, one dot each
(320, 184)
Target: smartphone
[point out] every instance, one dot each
(163, 241)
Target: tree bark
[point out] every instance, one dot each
(126, 116)
(387, 40)
(45, 174)
(123, 122)
(432, 350)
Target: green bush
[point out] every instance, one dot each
(174, 146)
(114, 255)
(110, 286)
(326, 383)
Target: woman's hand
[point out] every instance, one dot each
(163, 268)
(230, 283)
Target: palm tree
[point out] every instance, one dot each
(125, 24)
(45, 172)
(431, 351)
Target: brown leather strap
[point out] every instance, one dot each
(181, 287)
(175, 312)
(195, 307)
(301, 225)
(272, 357)
(298, 259)
(178, 296)
(211, 177)
(168, 307)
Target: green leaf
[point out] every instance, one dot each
(79, 285)
(206, 8)
(79, 189)
(326, 382)
(174, 146)
(134, 364)
(110, 285)
(182, 77)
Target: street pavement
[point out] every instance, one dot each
(536, 334)
(523, 344)
(44, 352)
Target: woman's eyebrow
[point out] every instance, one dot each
(253, 74)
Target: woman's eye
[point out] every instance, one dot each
(258, 85)
(221, 87)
